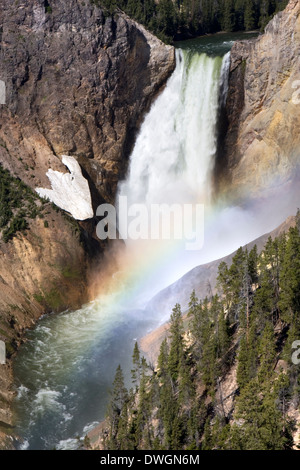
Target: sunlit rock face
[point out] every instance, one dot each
(70, 191)
(262, 144)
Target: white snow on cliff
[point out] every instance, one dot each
(70, 191)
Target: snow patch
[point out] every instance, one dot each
(70, 191)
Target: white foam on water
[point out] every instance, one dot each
(47, 399)
(68, 444)
(89, 427)
(22, 391)
(24, 445)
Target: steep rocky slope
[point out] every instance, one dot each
(227, 388)
(262, 142)
(224, 402)
(203, 278)
(42, 270)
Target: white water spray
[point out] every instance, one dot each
(224, 79)
(174, 156)
(174, 152)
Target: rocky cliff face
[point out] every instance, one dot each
(262, 143)
(77, 83)
(41, 271)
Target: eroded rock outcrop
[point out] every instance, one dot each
(262, 143)
(78, 83)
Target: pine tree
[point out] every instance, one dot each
(264, 298)
(253, 265)
(144, 432)
(228, 16)
(176, 342)
(207, 443)
(136, 371)
(243, 370)
(237, 272)
(116, 414)
(265, 12)
(163, 358)
(198, 319)
(298, 219)
(249, 19)
(290, 277)
(224, 285)
(239, 6)
(166, 17)
(124, 439)
(221, 327)
(262, 427)
(258, 295)
(167, 404)
(170, 18)
(267, 350)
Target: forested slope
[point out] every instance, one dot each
(229, 380)
(171, 19)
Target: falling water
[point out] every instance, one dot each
(174, 153)
(173, 158)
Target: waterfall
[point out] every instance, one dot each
(174, 155)
(66, 368)
(224, 79)
(175, 149)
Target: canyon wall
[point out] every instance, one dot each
(41, 270)
(78, 82)
(261, 148)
